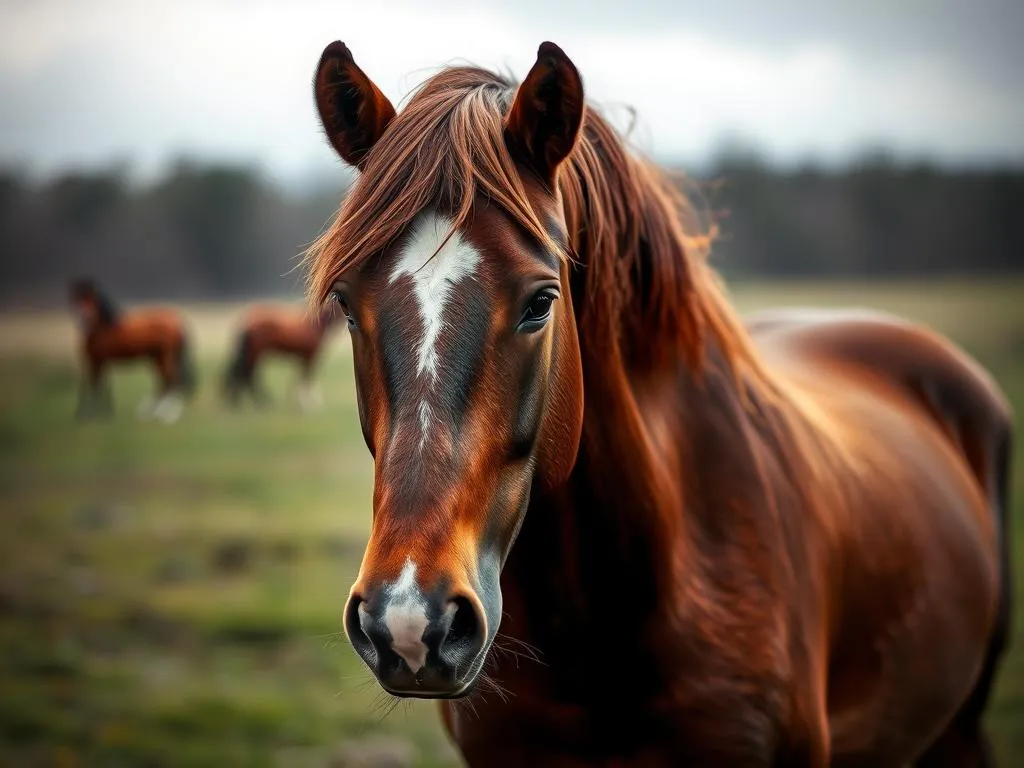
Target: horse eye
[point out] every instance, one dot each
(538, 311)
(338, 300)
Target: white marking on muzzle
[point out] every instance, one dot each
(405, 616)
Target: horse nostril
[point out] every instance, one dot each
(354, 627)
(465, 633)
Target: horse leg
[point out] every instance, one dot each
(170, 403)
(147, 406)
(235, 384)
(106, 395)
(94, 395)
(86, 397)
(308, 396)
(259, 394)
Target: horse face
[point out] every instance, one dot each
(470, 396)
(469, 385)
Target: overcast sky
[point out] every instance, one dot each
(85, 82)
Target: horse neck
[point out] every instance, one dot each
(99, 321)
(660, 458)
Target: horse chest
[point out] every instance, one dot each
(615, 709)
(654, 692)
(616, 732)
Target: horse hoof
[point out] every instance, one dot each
(169, 408)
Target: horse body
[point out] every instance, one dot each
(268, 330)
(158, 334)
(918, 532)
(836, 675)
(781, 544)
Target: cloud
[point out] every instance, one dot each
(86, 81)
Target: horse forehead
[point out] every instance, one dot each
(435, 256)
(435, 279)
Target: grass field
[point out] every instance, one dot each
(171, 596)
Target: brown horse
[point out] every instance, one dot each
(283, 331)
(765, 545)
(110, 335)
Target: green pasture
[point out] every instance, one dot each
(171, 596)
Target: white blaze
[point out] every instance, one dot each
(435, 270)
(424, 422)
(434, 278)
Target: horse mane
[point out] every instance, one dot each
(648, 293)
(107, 311)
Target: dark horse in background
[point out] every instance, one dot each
(110, 335)
(282, 331)
(780, 543)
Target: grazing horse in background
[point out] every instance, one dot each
(282, 331)
(111, 335)
(775, 544)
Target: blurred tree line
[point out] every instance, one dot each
(211, 231)
(875, 218)
(202, 231)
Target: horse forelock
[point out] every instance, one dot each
(442, 151)
(649, 293)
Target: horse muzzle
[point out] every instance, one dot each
(417, 645)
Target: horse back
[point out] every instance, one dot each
(926, 366)
(139, 332)
(280, 329)
(880, 358)
(912, 431)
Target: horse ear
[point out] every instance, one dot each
(542, 126)
(352, 109)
